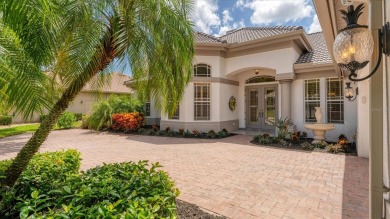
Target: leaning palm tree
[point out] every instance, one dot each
(79, 39)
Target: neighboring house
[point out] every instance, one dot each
(89, 95)
(272, 73)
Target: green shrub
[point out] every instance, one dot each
(5, 120)
(66, 121)
(84, 122)
(79, 116)
(45, 172)
(101, 115)
(321, 144)
(102, 112)
(125, 190)
(307, 146)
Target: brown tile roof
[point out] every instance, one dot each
(206, 38)
(115, 85)
(253, 33)
(319, 54)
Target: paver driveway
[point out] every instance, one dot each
(231, 176)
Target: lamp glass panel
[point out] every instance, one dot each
(354, 44)
(349, 92)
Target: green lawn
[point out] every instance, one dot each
(27, 128)
(18, 130)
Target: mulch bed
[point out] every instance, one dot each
(297, 146)
(146, 130)
(187, 210)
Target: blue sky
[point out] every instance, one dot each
(217, 16)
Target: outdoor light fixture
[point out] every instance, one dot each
(349, 92)
(353, 46)
(257, 71)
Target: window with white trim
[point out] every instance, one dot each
(312, 99)
(335, 100)
(202, 70)
(202, 101)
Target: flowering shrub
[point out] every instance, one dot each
(127, 122)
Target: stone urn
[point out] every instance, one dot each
(318, 114)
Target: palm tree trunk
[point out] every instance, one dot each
(103, 58)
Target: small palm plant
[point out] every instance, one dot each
(283, 124)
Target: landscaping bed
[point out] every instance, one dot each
(187, 210)
(298, 142)
(155, 131)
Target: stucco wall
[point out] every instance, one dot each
(298, 111)
(282, 60)
(82, 103)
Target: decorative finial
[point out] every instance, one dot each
(352, 16)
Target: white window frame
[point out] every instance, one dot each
(202, 101)
(201, 65)
(339, 99)
(308, 99)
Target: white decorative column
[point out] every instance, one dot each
(285, 86)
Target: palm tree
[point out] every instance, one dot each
(79, 39)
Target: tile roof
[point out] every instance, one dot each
(253, 33)
(206, 38)
(115, 85)
(319, 54)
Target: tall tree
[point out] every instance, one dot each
(79, 39)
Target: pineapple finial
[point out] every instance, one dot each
(352, 16)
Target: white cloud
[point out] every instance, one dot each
(315, 25)
(230, 26)
(226, 16)
(278, 11)
(205, 16)
(240, 3)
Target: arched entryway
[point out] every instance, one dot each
(261, 94)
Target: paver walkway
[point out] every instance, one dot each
(231, 176)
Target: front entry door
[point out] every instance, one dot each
(261, 110)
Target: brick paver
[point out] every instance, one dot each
(231, 176)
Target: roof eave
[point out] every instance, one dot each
(310, 67)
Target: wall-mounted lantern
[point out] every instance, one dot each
(353, 46)
(350, 93)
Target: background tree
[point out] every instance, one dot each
(79, 39)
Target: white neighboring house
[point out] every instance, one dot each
(271, 72)
(89, 95)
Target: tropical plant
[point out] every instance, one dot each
(79, 39)
(100, 117)
(127, 122)
(66, 121)
(283, 124)
(5, 120)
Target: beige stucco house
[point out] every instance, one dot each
(272, 73)
(90, 94)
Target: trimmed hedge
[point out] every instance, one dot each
(52, 188)
(5, 120)
(127, 122)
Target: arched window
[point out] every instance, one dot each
(260, 79)
(202, 70)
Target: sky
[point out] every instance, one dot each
(215, 17)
